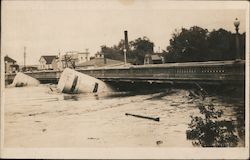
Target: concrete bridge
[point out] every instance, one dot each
(212, 72)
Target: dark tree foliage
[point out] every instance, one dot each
(219, 45)
(209, 131)
(197, 44)
(136, 53)
(187, 44)
(115, 52)
(141, 47)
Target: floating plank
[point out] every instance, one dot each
(146, 117)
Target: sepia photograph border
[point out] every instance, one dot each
(146, 152)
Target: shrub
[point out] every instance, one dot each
(208, 131)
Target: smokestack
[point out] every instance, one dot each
(126, 40)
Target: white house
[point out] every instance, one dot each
(46, 62)
(82, 57)
(154, 58)
(57, 63)
(73, 58)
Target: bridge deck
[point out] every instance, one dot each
(218, 72)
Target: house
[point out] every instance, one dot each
(46, 62)
(153, 59)
(73, 58)
(10, 65)
(99, 55)
(99, 62)
(57, 63)
(82, 57)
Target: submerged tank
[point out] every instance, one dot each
(72, 81)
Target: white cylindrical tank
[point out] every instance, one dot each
(22, 80)
(72, 81)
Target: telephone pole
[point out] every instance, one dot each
(24, 57)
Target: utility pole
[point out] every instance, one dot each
(24, 57)
(87, 52)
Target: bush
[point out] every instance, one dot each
(209, 131)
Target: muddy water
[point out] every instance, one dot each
(42, 117)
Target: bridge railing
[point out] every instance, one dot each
(226, 71)
(221, 71)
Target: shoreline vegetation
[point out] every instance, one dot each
(210, 129)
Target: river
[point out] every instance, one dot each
(42, 117)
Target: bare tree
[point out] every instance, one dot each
(69, 61)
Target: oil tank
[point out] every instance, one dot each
(22, 80)
(72, 81)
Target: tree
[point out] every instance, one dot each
(188, 45)
(69, 61)
(197, 44)
(136, 53)
(140, 47)
(243, 45)
(112, 52)
(220, 47)
(209, 130)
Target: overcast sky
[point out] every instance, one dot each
(47, 27)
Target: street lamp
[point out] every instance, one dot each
(237, 24)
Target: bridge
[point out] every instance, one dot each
(211, 72)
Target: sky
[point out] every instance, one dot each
(49, 27)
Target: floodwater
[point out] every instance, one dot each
(42, 117)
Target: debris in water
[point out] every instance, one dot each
(93, 138)
(146, 117)
(159, 142)
(51, 89)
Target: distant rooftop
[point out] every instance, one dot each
(8, 59)
(49, 58)
(83, 52)
(99, 62)
(155, 57)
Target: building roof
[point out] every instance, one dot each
(83, 53)
(8, 59)
(99, 62)
(48, 59)
(155, 57)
